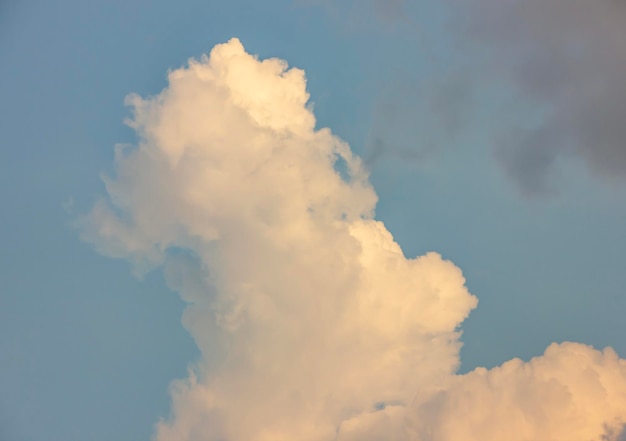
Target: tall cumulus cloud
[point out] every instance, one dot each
(311, 323)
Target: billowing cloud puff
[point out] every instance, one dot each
(572, 392)
(311, 323)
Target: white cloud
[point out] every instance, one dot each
(572, 392)
(312, 324)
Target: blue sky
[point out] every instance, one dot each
(87, 350)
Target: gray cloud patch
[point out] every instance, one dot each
(568, 55)
(528, 156)
(564, 60)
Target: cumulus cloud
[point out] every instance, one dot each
(569, 57)
(311, 323)
(572, 392)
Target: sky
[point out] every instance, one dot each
(312, 219)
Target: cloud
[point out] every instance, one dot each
(564, 60)
(571, 392)
(311, 323)
(568, 57)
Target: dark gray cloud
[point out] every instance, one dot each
(564, 60)
(569, 56)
